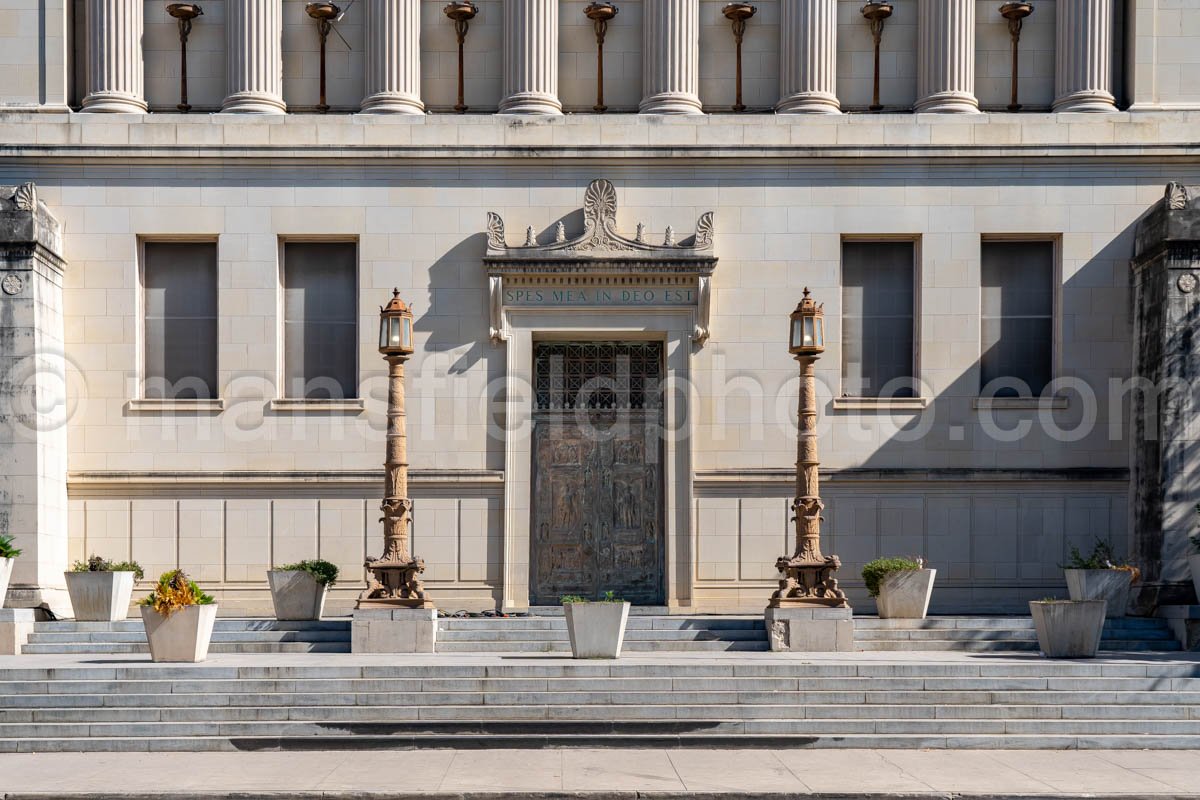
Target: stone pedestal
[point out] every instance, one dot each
(810, 630)
(946, 53)
(33, 400)
(1083, 56)
(1165, 400)
(114, 65)
(15, 626)
(808, 57)
(393, 71)
(393, 630)
(530, 57)
(254, 53)
(670, 57)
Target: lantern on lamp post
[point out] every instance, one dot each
(807, 576)
(395, 576)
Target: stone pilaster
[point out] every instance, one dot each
(670, 57)
(393, 77)
(1083, 56)
(254, 52)
(115, 72)
(808, 57)
(33, 399)
(530, 57)
(1163, 430)
(946, 53)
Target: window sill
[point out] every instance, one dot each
(300, 405)
(1019, 403)
(145, 405)
(880, 403)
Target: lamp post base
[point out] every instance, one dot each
(395, 584)
(810, 630)
(808, 583)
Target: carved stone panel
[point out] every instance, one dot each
(597, 473)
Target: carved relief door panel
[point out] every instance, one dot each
(597, 472)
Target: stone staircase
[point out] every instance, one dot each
(999, 634)
(645, 633)
(253, 703)
(229, 636)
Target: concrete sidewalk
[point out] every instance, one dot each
(608, 774)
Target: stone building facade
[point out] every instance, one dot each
(190, 366)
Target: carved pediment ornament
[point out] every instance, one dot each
(600, 235)
(1176, 196)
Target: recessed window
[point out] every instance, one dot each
(179, 282)
(320, 320)
(1017, 318)
(877, 319)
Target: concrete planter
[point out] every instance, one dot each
(1194, 565)
(1068, 628)
(296, 594)
(6, 568)
(100, 596)
(905, 595)
(183, 636)
(1109, 585)
(596, 629)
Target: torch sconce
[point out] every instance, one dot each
(184, 13)
(1015, 13)
(324, 14)
(600, 13)
(461, 13)
(875, 14)
(738, 13)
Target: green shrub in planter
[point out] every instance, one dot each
(873, 572)
(101, 564)
(6, 548)
(100, 589)
(8, 554)
(323, 572)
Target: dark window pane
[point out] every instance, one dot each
(877, 319)
(1017, 332)
(320, 314)
(180, 297)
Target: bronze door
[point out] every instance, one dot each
(597, 472)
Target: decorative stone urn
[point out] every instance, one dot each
(905, 594)
(184, 636)
(6, 568)
(1068, 628)
(1110, 585)
(100, 596)
(596, 629)
(296, 594)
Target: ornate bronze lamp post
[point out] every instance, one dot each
(324, 14)
(461, 13)
(600, 13)
(185, 13)
(876, 13)
(738, 13)
(808, 576)
(395, 576)
(1015, 13)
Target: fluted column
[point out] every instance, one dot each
(393, 33)
(946, 49)
(115, 72)
(808, 57)
(530, 57)
(254, 49)
(670, 57)
(1083, 56)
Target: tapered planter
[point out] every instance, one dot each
(100, 596)
(183, 636)
(596, 629)
(1068, 628)
(1109, 585)
(905, 594)
(1194, 565)
(6, 568)
(296, 594)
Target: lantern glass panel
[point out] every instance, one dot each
(797, 332)
(383, 332)
(406, 333)
(808, 332)
(819, 332)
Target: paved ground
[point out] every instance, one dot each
(607, 774)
